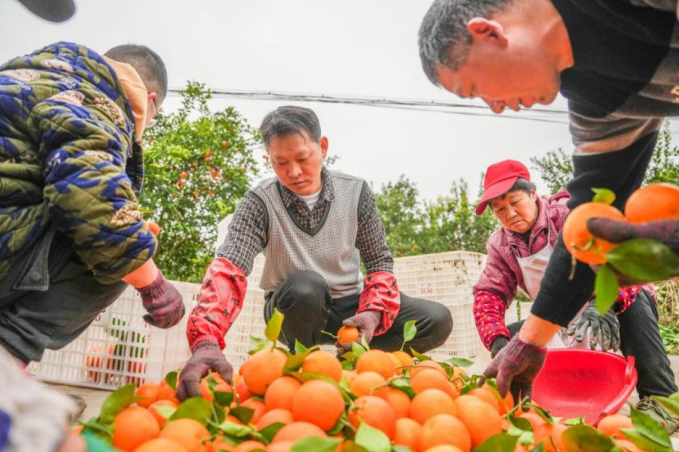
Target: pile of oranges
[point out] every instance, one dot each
(653, 202)
(416, 405)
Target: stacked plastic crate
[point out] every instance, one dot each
(447, 278)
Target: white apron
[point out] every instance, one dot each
(533, 270)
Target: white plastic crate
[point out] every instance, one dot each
(445, 277)
(464, 341)
(119, 348)
(250, 322)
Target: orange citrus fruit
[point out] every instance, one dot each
(577, 238)
(133, 427)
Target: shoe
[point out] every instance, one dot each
(654, 409)
(80, 404)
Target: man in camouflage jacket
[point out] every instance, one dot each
(71, 169)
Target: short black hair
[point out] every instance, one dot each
(290, 120)
(145, 61)
(444, 39)
(522, 184)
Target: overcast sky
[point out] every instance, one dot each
(365, 48)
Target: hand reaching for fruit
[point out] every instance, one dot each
(365, 323)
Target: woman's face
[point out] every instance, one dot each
(516, 210)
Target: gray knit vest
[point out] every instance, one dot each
(330, 250)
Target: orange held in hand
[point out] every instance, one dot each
(653, 202)
(347, 334)
(577, 238)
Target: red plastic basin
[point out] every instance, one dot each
(585, 383)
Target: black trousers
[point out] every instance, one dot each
(640, 337)
(305, 299)
(49, 299)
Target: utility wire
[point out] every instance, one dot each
(551, 115)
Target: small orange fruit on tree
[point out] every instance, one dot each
(444, 429)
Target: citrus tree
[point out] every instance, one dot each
(198, 164)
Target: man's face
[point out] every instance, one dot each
(516, 210)
(503, 76)
(297, 160)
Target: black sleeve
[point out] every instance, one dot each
(622, 172)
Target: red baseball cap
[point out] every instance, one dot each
(500, 177)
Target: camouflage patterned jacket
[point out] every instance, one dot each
(68, 158)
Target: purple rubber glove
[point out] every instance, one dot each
(206, 356)
(615, 231)
(163, 303)
(666, 232)
(515, 368)
(366, 322)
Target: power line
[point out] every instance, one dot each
(551, 115)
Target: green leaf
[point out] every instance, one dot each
(339, 425)
(115, 403)
(257, 345)
(521, 428)
(584, 438)
(606, 288)
(299, 347)
(647, 433)
(401, 449)
(194, 408)
(502, 442)
(270, 431)
(460, 362)
(295, 361)
(236, 430)
(371, 439)
(316, 444)
(544, 414)
(364, 342)
(95, 427)
(409, 332)
(419, 355)
(357, 350)
(671, 402)
(242, 413)
(603, 195)
(223, 398)
(575, 421)
(165, 411)
(351, 446)
(644, 260)
(402, 385)
(274, 325)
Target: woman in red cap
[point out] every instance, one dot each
(518, 254)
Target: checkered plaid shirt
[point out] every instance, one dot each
(248, 231)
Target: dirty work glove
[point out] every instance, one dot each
(666, 232)
(366, 322)
(604, 330)
(163, 303)
(515, 368)
(497, 345)
(206, 356)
